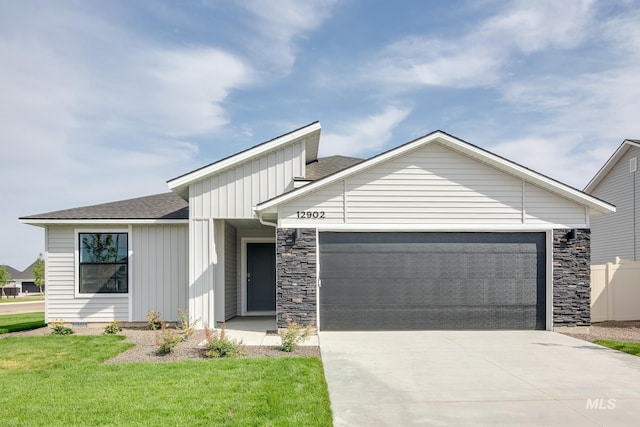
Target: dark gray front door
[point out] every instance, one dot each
(395, 281)
(261, 277)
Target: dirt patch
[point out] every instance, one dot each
(611, 330)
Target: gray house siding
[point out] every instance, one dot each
(616, 234)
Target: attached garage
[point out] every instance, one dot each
(404, 281)
(434, 234)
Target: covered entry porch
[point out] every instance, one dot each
(232, 270)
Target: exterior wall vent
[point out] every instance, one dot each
(633, 164)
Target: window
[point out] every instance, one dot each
(103, 263)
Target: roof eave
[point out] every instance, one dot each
(459, 145)
(41, 222)
(311, 134)
(609, 164)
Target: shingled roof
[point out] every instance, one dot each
(158, 206)
(326, 166)
(169, 205)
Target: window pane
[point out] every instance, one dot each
(103, 247)
(103, 278)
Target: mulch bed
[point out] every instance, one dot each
(145, 346)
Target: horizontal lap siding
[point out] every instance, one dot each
(611, 234)
(433, 185)
(328, 200)
(544, 207)
(159, 266)
(437, 185)
(232, 193)
(61, 283)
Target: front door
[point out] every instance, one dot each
(261, 277)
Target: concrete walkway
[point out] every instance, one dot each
(478, 378)
(258, 330)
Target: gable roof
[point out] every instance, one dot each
(460, 146)
(310, 133)
(325, 166)
(159, 207)
(613, 160)
(14, 274)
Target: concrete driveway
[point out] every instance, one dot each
(477, 378)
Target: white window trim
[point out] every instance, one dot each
(76, 273)
(243, 275)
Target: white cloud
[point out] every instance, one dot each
(481, 57)
(281, 24)
(363, 136)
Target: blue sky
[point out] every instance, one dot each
(107, 100)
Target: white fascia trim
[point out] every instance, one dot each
(456, 144)
(41, 222)
(606, 168)
(241, 157)
(434, 227)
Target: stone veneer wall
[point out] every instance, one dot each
(571, 278)
(296, 276)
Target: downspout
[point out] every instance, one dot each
(263, 222)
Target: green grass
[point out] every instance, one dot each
(34, 298)
(20, 322)
(627, 347)
(66, 377)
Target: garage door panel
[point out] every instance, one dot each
(450, 291)
(439, 318)
(432, 280)
(416, 265)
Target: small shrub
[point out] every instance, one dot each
(153, 320)
(183, 323)
(218, 345)
(167, 339)
(294, 334)
(58, 328)
(112, 328)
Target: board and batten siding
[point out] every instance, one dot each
(61, 279)
(206, 271)
(233, 192)
(230, 272)
(612, 235)
(433, 185)
(159, 271)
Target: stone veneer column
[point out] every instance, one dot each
(571, 278)
(296, 276)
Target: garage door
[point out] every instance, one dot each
(404, 281)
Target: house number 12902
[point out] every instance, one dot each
(310, 214)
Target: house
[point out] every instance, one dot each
(13, 282)
(26, 280)
(434, 234)
(618, 234)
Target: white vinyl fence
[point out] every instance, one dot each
(615, 291)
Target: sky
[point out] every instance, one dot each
(107, 100)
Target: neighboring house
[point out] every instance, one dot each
(23, 280)
(434, 234)
(14, 275)
(618, 234)
(27, 281)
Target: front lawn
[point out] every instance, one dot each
(20, 322)
(627, 347)
(61, 380)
